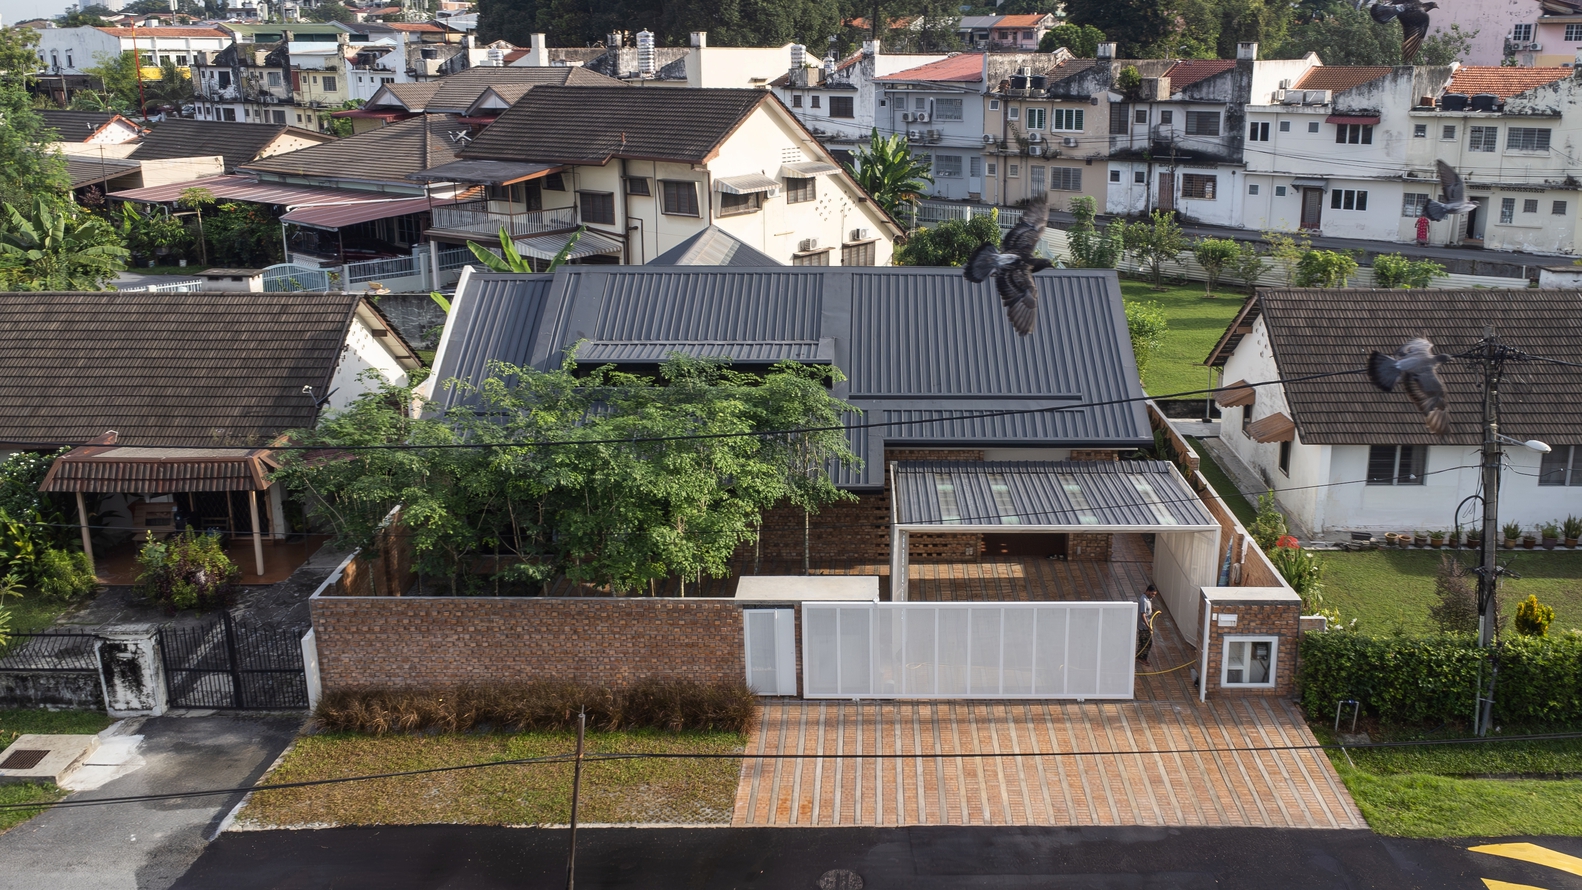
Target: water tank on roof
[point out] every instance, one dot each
(1484, 102)
(1019, 81)
(798, 55)
(1039, 82)
(496, 57)
(646, 62)
(1454, 102)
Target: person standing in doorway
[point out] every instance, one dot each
(1422, 231)
(1145, 622)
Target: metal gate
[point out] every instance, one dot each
(228, 664)
(1051, 650)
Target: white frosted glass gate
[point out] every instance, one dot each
(969, 650)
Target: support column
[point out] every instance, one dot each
(258, 536)
(898, 565)
(87, 537)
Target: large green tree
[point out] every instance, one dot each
(654, 477)
(1139, 27)
(47, 246)
(28, 164)
(1081, 40)
(890, 172)
(1341, 34)
(950, 243)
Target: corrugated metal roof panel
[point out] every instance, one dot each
(700, 303)
(1066, 494)
(805, 351)
(497, 320)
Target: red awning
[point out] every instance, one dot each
(340, 214)
(1352, 119)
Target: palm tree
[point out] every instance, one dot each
(57, 248)
(891, 174)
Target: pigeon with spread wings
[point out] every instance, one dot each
(1413, 16)
(1012, 265)
(1455, 195)
(1415, 368)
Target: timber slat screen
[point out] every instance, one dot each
(227, 664)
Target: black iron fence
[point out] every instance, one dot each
(58, 652)
(227, 663)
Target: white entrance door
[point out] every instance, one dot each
(771, 650)
(1070, 650)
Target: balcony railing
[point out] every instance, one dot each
(476, 217)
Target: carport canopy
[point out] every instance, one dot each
(1073, 497)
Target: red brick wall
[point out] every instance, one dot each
(447, 641)
(1255, 618)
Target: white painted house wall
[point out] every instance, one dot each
(362, 352)
(856, 80)
(1492, 21)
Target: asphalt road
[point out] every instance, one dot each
(912, 858)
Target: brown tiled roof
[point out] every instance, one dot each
(415, 96)
(429, 27)
(571, 125)
(238, 143)
(1190, 71)
(457, 92)
(388, 153)
(166, 369)
(194, 32)
(108, 468)
(1502, 82)
(1320, 331)
(1020, 21)
(75, 126)
(1340, 77)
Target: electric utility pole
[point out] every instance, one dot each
(1488, 575)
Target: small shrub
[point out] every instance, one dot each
(1325, 268)
(1215, 255)
(657, 704)
(1288, 252)
(1147, 324)
(1572, 528)
(1302, 570)
(189, 571)
(1249, 264)
(1091, 248)
(1268, 527)
(1533, 618)
(65, 574)
(1512, 531)
(1395, 271)
(1457, 608)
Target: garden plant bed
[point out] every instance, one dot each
(638, 791)
(1388, 590)
(19, 722)
(1196, 324)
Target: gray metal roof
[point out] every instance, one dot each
(922, 348)
(1046, 494)
(714, 247)
(484, 172)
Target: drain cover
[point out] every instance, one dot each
(30, 759)
(840, 879)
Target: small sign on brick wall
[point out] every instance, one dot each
(1225, 619)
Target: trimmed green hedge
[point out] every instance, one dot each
(1405, 680)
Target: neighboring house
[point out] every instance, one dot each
(319, 79)
(390, 103)
(103, 172)
(238, 143)
(1539, 34)
(644, 171)
(820, 95)
(643, 63)
(89, 127)
(71, 51)
(245, 82)
(1020, 32)
(1340, 455)
(713, 247)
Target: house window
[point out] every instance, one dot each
(1507, 210)
(1448, 133)
(224, 79)
(1413, 204)
(975, 165)
(1249, 661)
(555, 182)
(1285, 457)
(1396, 464)
(1035, 179)
(1354, 134)
(1419, 131)
(1068, 119)
(947, 165)
(1140, 177)
(1013, 170)
(1279, 191)
(1258, 131)
(1530, 205)
(796, 101)
(812, 258)
(736, 205)
(1561, 466)
(993, 168)
(920, 103)
(329, 84)
(598, 208)
(1197, 185)
(1285, 126)
(678, 197)
(944, 109)
(1118, 125)
(1483, 138)
(857, 254)
(841, 106)
(1312, 126)
(1065, 179)
(1202, 123)
(1141, 116)
(1526, 139)
(1252, 188)
(799, 190)
(280, 117)
(1015, 112)
(1036, 118)
(638, 185)
(1115, 176)
(1167, 116)
(1558, 208)
(69, 62)
(1348, 199)
(273, 79)
(228, 114)
(1573, 32)
(994, 104)
(813, 101)
(1524, 33)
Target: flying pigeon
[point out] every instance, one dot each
(1413, 16)
(1012, 265)
(1455, 195)
(1415, 367)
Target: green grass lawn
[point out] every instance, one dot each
(1227, 489)
(1196, 324)
(17, 722)
(638, 790)
(1389, 590)
(31, 612)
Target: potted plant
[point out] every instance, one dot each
(1551, 533)
(1406, 539)
(1391, 539)
(1513, 533)
(1572, 530)
(1436, 539)
(1474, 539)
(1530, 539)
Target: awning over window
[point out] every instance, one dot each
(1352, 119)
(485, 172)
(747, 185)
(545, 247)
(339, 215)
(808, 169)
(1276, 427)
(1235, 395)
(115, 468)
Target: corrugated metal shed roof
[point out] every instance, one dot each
(99, 468)
(345, 213)
(245, 188)
(1054, 494)
(921, 347)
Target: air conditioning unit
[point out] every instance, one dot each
(1285, 84)
(1069, 142)
(1035, 150)
(860, 234)
(1035, 138)
(906, 117)
(914, 135)
(988, 139)
(921, 117)
(935, 135)
(807, 244)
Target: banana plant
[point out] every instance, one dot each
(510, 260)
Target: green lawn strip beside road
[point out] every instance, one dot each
(17, 722)
(1228, 492)
(1196, 324)
(33, 612)
(627, 791)
(1390, 590)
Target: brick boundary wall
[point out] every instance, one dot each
(439, 642)
(1256, 618)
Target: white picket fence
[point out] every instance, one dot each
(169, 287)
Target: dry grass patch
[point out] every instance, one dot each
(637, 790)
